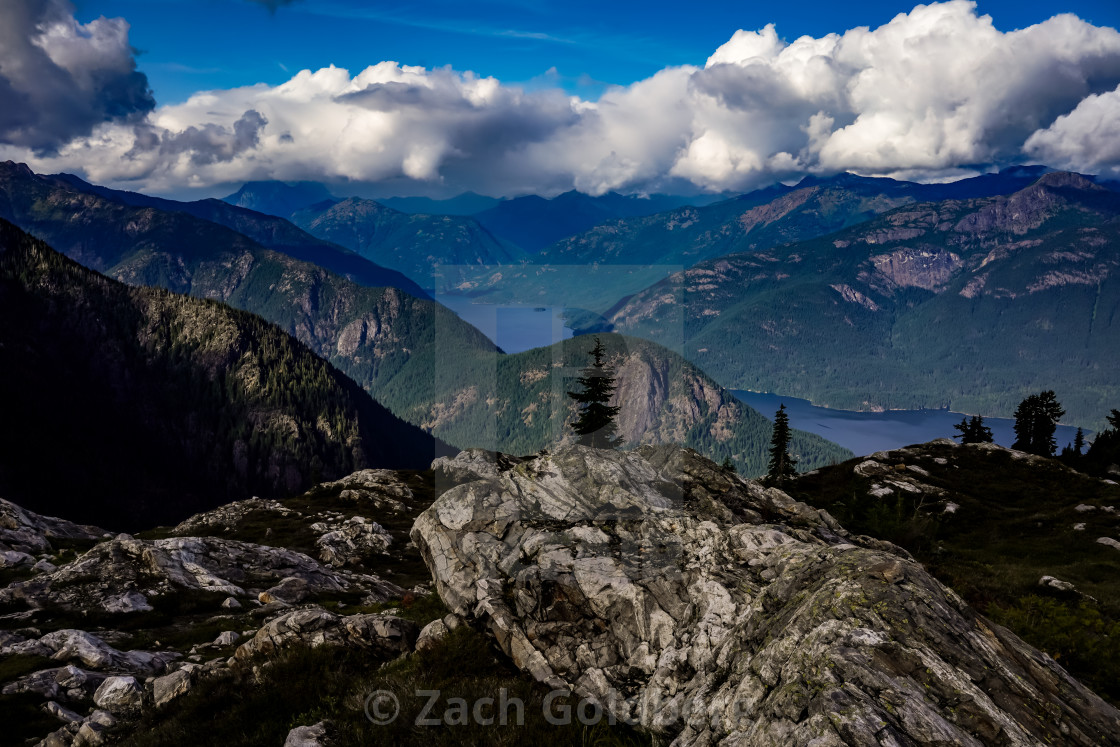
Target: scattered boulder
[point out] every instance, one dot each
(1050, 582)
(431, 634)
(317, 735)
(44, 566)
(170, 686)
(231, 603)
(1109, 541)
(314, 626)
(380, 489)
(118, 573)
(711, 610)
(120, 694)
(225, 517)
(289, 591)
(227, 638)
(351, 541)
(30, 533)
(91, 733)
(15, 559)
(94, 653)
(131, 601)
(61, 713)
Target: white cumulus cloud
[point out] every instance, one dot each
(935, 91)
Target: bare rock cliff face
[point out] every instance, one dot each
(711, 610)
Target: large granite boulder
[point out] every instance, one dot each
(712, 610)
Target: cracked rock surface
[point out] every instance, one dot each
(126, 573)
(712, 610)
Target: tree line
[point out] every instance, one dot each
(1036, 420)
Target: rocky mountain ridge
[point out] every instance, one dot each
(415, 245)
(160, 404)
(712, 611)
(669, 593)
(971, 293)
(414, 356)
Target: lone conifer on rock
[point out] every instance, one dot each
(595, 424)
(782, 465)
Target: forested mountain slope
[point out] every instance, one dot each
(972, 303)
(416, 357)
(127, 405)
(267, 230)
(649, 247)
(519, 404)
(415, 245)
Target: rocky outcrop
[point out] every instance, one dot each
(711, 610)
(227, 516)
(27, 533)
(89, 650)
(131, 572)
(314, 626)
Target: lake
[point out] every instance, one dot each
(512, 327)
(868, 432)
(516, 328)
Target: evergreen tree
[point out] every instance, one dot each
(1104, 452)
(1079, 442)
(973, 431)
(595, 424)
(1036, 418)
(782, 465)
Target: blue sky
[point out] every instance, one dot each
(190, 45)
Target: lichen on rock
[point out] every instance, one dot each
(711, 610)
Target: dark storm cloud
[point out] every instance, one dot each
(59, 79)
(211, 143)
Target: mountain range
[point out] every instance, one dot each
(412, 355)
(414, 245)
(529, 222)
(972, 303)
(137, 405)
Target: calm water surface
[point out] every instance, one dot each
(515, 328)
(867, 432)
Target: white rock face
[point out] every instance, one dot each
(1109, 541)
(123, 574)
(171, 686)
(314, 626)
(307, 736)
(131, 601)
(713, 611)
(119, 695)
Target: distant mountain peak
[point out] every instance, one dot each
(278, 198)
(1068, 180)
